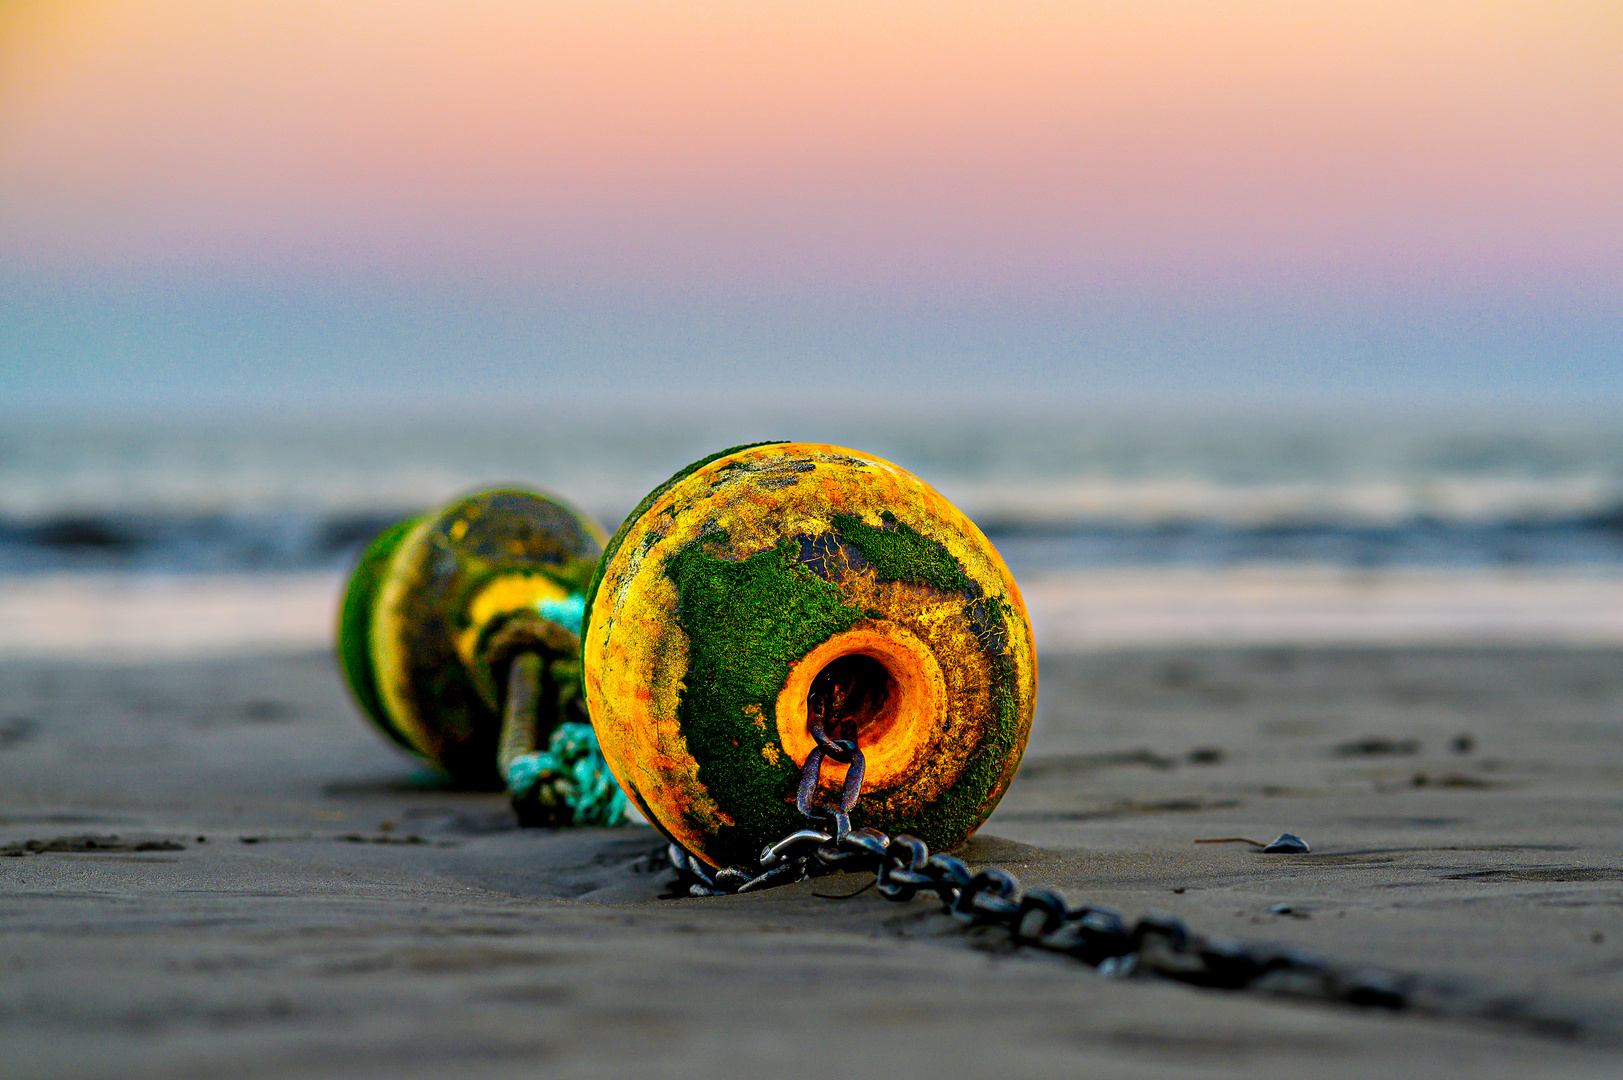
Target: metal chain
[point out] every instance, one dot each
(1156, 944)
(1098, 936)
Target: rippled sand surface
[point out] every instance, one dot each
(239, 879)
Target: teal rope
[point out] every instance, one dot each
(574, 770)
(567, 612)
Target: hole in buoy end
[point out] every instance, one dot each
(876, 684)
(849, 696)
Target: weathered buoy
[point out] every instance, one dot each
(775, 585)
(454, 619)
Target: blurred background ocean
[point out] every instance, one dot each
(1054, 491)
(199, 535)
(1257, 320)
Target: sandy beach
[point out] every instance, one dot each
(286, 895)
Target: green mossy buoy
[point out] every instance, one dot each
(438, 607)
(769, 584)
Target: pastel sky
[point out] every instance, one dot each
(408, 199)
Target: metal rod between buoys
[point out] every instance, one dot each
(519, 720)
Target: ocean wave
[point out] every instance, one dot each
(1013, 505)
(193, 543)
(1050, 489)
(289, 540)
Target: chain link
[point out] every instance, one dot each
(1156, 944)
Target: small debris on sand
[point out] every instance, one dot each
(1287, 844)
(86, 844)
(1378, 746)
(1452, 780)
(15, 730)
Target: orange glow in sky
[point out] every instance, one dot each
(932, 144)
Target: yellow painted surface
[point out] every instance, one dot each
(632, 692)
(500, 596)
(387, 640)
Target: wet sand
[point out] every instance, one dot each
(286, 895)
(180, 616)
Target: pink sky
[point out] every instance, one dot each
(830, 145)
(1243, 201)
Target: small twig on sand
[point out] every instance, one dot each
(1228, 840)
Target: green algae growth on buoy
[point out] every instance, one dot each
(772, 584)
(440, 609)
